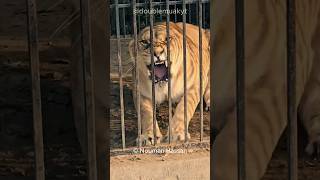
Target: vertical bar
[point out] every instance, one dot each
(160, 13)
(112, 23)
(208, 17)
(124, 21)
(169, 71)
(146, 19)
(213, 113)
(123, 135)
(200, 69)
(197, 12)
(36, 94)
(175, 14)
(240, 89)
(89, 87)
(204, 13)
(139, 21)
(185, 73)
(134, 21)
(153, 77)
(100, 38)
(291, 93)
(189, 13)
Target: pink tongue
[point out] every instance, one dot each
(160, 71)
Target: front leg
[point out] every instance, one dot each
(147, 137)
(178, 125)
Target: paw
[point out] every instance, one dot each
(176, 137)
(313, 148)
(147, 139)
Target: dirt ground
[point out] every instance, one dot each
(62, 150)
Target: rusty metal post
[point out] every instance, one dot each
(135, 37)
(291, 93)
(89, 87)
(169, 70)
(153, 76)
(185, 96)
(123, 136)
(240, 87)
(200, 68)
(33, 44)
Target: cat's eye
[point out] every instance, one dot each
(164, 42)
(145, 44)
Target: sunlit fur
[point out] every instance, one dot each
(177, 81)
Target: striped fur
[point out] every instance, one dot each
(265, 31)
(161, 89)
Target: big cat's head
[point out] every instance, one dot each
(159, 54)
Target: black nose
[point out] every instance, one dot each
(158, 54)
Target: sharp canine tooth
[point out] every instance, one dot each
(166, 62)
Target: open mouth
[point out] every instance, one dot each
(160, 71)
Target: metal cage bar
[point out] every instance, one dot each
(185, 102)
(145, 5)
(89, 87)
(189, 15)
(33, 45)
(291, 93)
(240, 87)
(124, 22)
(123, 133)
(153, 77)
(175, 15)
(203, 13)
(136, 72)
(169, 71)
(139, 20)
(160, 15)
(200, 68)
